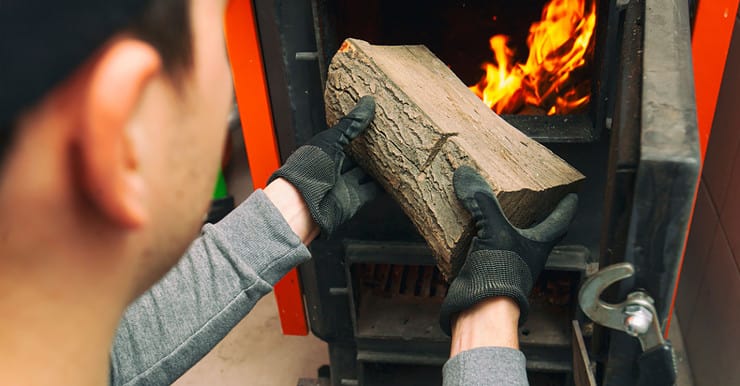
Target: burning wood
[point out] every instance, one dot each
(559, 45)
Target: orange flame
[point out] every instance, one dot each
(558, 44)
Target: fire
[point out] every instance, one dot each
(558, 44)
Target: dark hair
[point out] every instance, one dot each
(165, 24)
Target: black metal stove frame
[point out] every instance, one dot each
(634, 205)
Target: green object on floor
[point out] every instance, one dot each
(220, 191)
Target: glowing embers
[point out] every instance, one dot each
(548, 82)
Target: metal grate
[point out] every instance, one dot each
(395, 280)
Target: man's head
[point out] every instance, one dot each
(110, 154)
(43, 42)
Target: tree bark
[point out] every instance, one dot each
(427, 124)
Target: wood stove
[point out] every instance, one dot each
(372, 292)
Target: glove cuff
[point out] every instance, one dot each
(485, 274)
(311, 171)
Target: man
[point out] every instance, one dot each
(112, 117)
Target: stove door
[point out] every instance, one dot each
(667, 167)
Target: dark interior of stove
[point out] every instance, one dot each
(456, 31)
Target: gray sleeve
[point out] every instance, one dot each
(486, 366)
(222, 276)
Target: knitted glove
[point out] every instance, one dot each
(332, 185)
(502, 260)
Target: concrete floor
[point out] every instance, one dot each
(256, 353)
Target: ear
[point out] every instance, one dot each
(111, 174)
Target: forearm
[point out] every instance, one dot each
(288, 200)
(491, 322)
(485, 346)
(222, 276)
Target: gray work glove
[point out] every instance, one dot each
(502, 260)
(332, 185)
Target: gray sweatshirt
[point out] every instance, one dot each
(218, 281)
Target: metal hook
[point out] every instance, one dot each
(636, 315)
(589, 297)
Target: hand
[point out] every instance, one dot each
(332, 185)
(502, 260)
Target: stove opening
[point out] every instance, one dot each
(534, 62)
